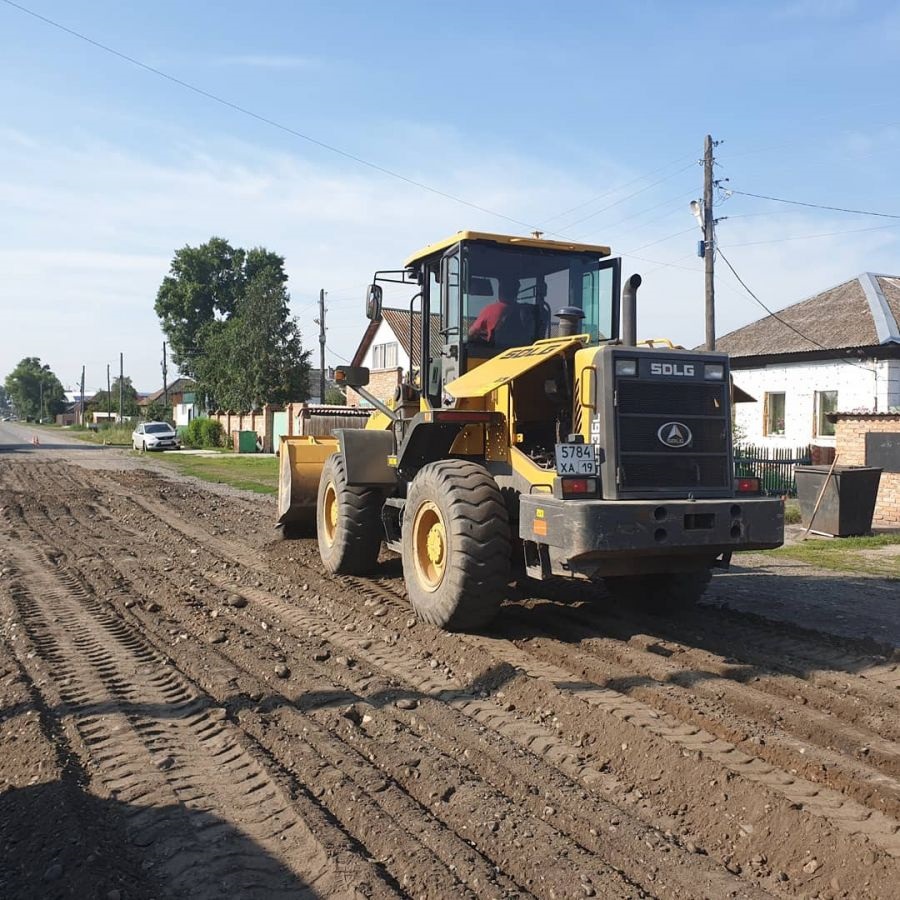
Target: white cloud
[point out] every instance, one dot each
(96, 227)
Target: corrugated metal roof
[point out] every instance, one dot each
(862, 312)
(398, 321)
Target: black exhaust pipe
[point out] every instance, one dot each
(629, 311)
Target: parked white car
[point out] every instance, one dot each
(155, 436)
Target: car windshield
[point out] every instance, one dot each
(158, 428)
(511, 297)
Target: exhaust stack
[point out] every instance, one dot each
(629, 311)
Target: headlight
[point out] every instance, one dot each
(714, 371)
(626, 367)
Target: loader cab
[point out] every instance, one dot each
(483, 294)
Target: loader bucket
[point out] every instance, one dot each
(300, 464)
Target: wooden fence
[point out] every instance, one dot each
(773, 466)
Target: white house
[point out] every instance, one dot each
(837, 350)
(385, 349)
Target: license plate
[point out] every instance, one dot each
(576, 459)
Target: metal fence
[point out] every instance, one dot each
(773, 466)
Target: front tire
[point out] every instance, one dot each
(660, 594)
(456, 545)
(348, 522)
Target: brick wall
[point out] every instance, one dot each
(259, 421)
(381, 383)
(850, 433)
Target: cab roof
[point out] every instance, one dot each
(509, 240)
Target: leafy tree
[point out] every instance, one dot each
(26, 384)
(255, 356)
(334, 396)
(159, 412)
(204, 286)
(129, 399)
(4, 402)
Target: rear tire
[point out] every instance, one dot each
(456, 545)
(348, 522)
(659, 594)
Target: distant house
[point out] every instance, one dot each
(837, 350)
(386, 349)
(182, 399)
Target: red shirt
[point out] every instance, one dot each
(488, 320)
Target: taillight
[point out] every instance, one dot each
(746, 485)
(575, 487)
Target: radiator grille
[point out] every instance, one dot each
(645, 463)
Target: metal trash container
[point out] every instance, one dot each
(848, 503)
(243, 441)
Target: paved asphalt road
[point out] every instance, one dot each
(17, 437)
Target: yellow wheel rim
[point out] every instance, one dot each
(430, 546)
(330, 513)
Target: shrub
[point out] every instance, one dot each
(204, 433)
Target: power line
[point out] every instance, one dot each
(243, 110)
(626, 197)
(858, 212)
(809, 237)
(778, 318)
(622, 187)
(335, 353)
(662, 240)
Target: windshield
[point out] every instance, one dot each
(157, 428)
(511, 297)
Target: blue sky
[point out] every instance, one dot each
(528, 109)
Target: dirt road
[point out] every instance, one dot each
(190, 708)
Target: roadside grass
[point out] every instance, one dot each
(113, 436)
(875, 555)
(792, 512)
(250, 473)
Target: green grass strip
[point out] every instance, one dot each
(250, 473)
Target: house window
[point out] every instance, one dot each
(774, 413)
(384, 356)
(826, 402)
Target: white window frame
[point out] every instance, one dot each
(818, 423)
(768, 431)
(385, 356)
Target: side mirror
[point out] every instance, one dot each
(352, 376)
(373, 303)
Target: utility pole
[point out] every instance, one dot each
(165, 385)
(82, 395)
(321, 323)
(108, 397)
(709, 242)
(121, 388)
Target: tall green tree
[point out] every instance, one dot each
(205, 285)
(28, 382)
(4, 402)
(256, 356)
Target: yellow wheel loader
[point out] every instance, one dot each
(531, 436)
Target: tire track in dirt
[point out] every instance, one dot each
(791, 735)
(474, 707)
(159, 744)
(533, 682)
(378, 812)
(538, 866)
(851, 817)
